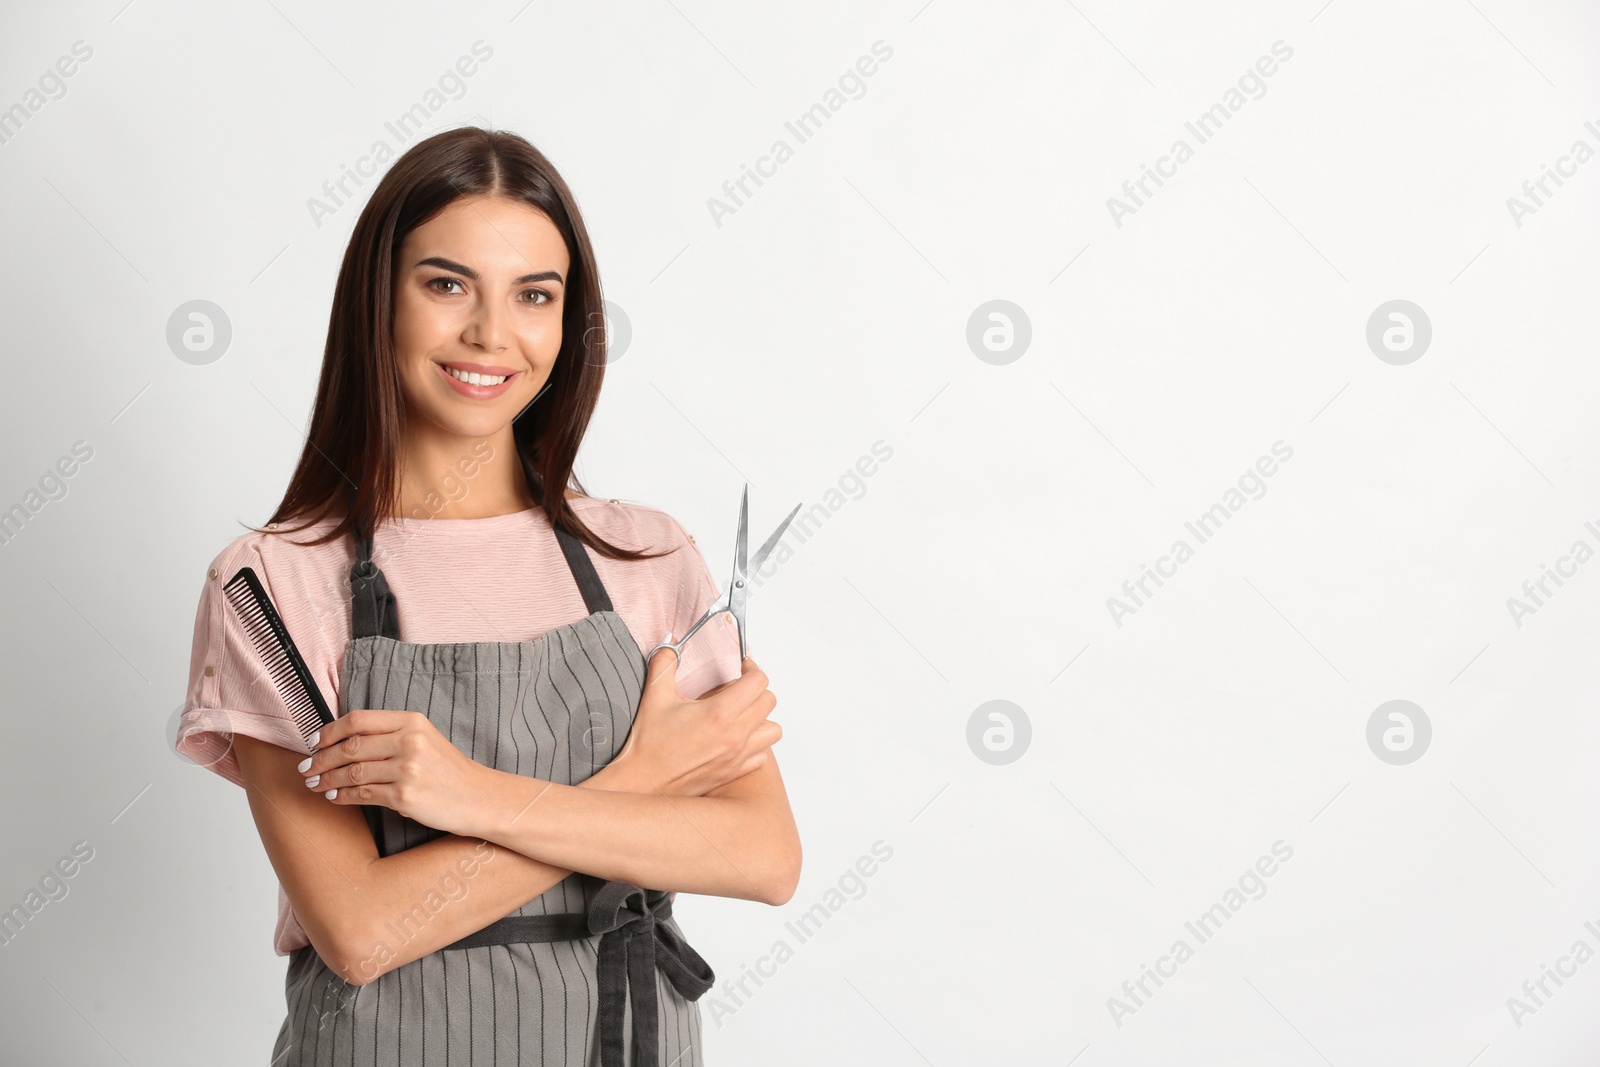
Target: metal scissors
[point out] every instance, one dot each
(733, 598)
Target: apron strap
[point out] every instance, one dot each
(373, 610)
(595, 597)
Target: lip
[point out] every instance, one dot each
(478, 392)
(477, 368)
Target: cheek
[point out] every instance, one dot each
(543, 337)
(415, 323)
(419, 331)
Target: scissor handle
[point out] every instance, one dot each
(711, 613)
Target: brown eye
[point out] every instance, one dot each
(431, 282)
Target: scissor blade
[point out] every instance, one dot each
(766, 549)
(742, 537)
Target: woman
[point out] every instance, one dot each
(460, 859)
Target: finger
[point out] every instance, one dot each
(353, 776)
(663, 665)
(744, 690)
(766, 734)
(664, 658)
(717, 688)
(352, 748)
(357, 721)
(374, 793)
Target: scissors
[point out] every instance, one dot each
(734, 596)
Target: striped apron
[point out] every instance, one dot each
(562, 979)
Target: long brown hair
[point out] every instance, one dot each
(358, 422)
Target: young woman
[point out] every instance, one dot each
(461, 857)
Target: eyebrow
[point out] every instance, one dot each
(461, 268)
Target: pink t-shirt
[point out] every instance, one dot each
(502, 578)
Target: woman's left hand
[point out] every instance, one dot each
(399, 760)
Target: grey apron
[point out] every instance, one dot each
(562, 979)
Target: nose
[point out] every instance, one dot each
(487, 327)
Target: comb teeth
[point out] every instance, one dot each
(278, 654)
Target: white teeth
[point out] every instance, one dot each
(476, 379)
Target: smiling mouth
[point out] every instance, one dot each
(473, 378)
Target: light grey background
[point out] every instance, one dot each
(831, 311)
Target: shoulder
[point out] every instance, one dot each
(285, 552)
(631, 524)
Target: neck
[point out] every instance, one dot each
(444, 476)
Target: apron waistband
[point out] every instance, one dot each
(634, 941)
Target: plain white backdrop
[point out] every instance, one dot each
(1147, 760)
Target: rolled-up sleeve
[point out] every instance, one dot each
(230, 691)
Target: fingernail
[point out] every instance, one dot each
(311, 783)
(314, 738)
(332, 793)
(304, 765)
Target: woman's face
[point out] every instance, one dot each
(478, 291)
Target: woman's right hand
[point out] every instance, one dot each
(689, 748)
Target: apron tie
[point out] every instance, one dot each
(632, 945)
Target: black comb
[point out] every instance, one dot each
(295, 684)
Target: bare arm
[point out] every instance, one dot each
(739, 840)
(641, 819)
(367, 915)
